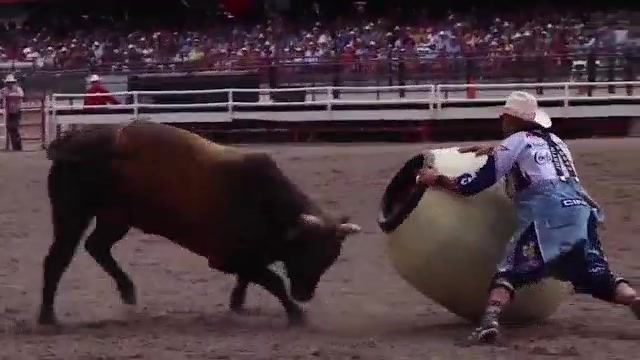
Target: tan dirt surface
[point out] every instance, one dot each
(363, 310)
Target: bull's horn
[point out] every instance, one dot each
(313, 220)
(349, 228)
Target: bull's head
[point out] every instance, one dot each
(314, 247)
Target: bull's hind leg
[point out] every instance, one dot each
(274, 284)
(67, 235)
(99, 244)
(70, 216)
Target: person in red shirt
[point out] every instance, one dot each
(95, 87)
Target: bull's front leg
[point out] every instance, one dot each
(274, 284)
(238, 295)
(239, 292)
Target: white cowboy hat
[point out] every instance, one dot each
(525, 106)
(10, 79)
(94, 78)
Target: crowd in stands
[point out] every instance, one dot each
(228, 45)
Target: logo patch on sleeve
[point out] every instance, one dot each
(574, 202)
(465, 179)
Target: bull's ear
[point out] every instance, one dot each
(347, 229)
(311, 220)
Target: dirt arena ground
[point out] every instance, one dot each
(363, 310)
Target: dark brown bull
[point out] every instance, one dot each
(236, 209)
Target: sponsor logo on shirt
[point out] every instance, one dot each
(542, 157)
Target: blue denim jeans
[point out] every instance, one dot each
(558, 238)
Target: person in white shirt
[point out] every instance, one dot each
(557, 233)
(12, 96)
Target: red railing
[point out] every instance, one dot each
(442, 68)
(363, 63)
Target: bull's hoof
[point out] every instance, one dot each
(237, 308)
(297, 318)
(635, 308)
(47, 319)
(128, 295)
(236, 303)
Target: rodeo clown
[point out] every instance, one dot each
(557, 219)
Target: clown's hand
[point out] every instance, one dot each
(599, 214)
(427, 176)
(479, 150)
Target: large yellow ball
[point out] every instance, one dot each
(448, 247)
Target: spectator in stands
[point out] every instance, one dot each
(96, 87)
(429, 44)
(12, 95)
(430, 38)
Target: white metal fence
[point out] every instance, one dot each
(434, 95)
(420, 102)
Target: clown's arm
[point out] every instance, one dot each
(497, 166)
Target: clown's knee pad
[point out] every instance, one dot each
(502, 282)
(509, 282)
(512, 281)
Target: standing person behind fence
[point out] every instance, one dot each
(12, 95)
(96, 87)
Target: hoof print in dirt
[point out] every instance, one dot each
(243, 311)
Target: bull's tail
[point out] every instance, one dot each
(88, 144)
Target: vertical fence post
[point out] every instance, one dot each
(230, 102)
(432, 96)
(54, 105)
(43, 121)
(136, 101)
(4, 123)
(48, 120)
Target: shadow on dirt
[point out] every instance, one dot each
(256, 321)
(570, 328)
(192, 323)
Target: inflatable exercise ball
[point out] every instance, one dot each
(447, 247)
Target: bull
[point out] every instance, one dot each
(235, 208)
